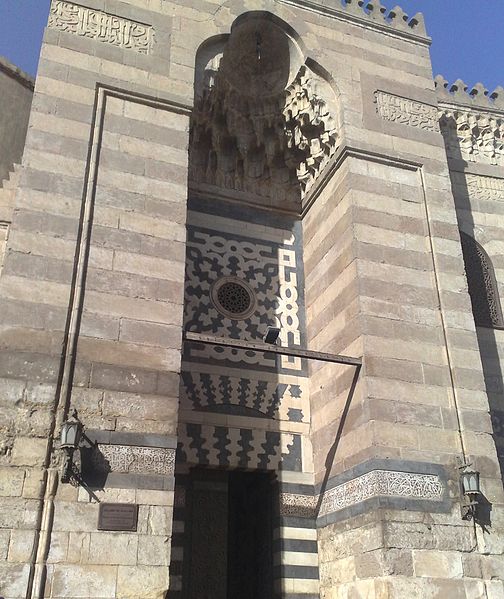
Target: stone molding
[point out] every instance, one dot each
(373, 484)
(401, 110)
(101, 26)
(126, 459)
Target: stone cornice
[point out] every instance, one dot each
(16, 73)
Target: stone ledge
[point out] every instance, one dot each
(16, 73)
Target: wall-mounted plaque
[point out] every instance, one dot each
(118, 516)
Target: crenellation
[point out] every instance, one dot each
(396, 18)
(477, 97)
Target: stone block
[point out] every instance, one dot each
(29, 451)
(21, 546)
(11, 390)
(58, 550)
(151, 334)
(40, 393)
(14, 580)
(494, 589)
(139, 407)
(78, 547)
(154, 550)
(11, 482)
(151, 497)
(142, 582)
(75, 517)
(79, 581)
(437, 564)
(159, 520)
(4, 544)
(113, 548)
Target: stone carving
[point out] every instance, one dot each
(407, 112)
(130, 459)
(482, 284)
(377, 483)
(272, 146)
(473, 136)
(382, 483)
(485, 188)
(243, 448)
(302, 506)
(98, 25)
(269, 269)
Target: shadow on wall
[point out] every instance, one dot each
(487, 313)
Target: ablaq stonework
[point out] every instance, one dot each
(199, 176)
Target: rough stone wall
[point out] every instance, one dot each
(16, 93)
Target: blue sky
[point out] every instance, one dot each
(468, 35)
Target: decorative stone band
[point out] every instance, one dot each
(485, 188)
(127, 459)
(473, 136)
(407, 112)
(377, 483)
(100, 26)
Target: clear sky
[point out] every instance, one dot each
(468, 35)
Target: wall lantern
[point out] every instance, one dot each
(471, 491)
(272, 335)
(71, 432)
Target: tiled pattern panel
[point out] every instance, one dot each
(241, 408)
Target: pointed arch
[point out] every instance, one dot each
(482, 284)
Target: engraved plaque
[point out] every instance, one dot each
(118, 516)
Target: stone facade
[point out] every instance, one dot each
(218, 168)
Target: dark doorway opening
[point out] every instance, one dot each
(229, 536)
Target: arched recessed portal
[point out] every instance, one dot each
(263, 130)
(264, 123)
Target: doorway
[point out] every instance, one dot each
(229, 535)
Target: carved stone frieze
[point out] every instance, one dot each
(126, 459)
(473, 136)
(101, 26)
(303, 506)
(377, 483)
(485, 188)
(382, 483)
(407, 112)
